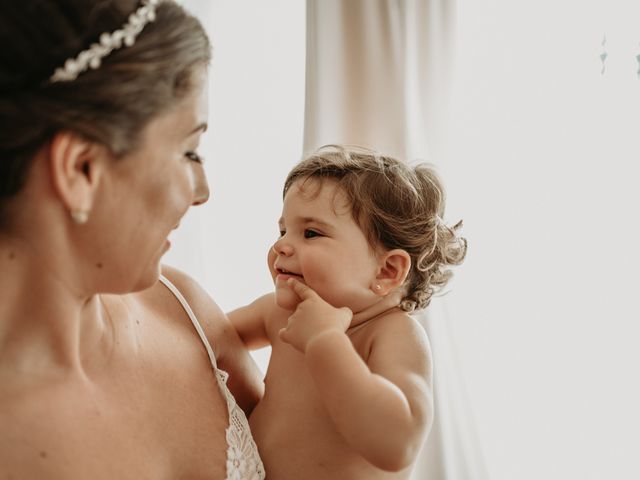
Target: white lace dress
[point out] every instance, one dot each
(243, 460)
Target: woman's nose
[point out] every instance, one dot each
(200, 185)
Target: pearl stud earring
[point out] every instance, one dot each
(80, 216)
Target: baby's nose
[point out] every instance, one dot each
(282, 247)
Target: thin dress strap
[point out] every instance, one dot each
(243, 459)
(192, 317)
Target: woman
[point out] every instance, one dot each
(106, 372)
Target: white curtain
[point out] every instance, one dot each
(378, 75)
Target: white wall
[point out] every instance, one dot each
(540, 164)
(542, 167)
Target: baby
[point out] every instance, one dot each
(348, 390)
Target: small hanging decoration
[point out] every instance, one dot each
(603, 55)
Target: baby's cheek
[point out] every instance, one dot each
(341, 295)
(271, 260)
(287, 298)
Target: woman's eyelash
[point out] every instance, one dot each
(194, 157)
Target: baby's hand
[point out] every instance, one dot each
(313, 317)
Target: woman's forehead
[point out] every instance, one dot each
(187, 118)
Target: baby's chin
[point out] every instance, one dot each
(287, 298)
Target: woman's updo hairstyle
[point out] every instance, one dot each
(396, 206)
(111, 104)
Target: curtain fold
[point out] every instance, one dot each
(377, 75)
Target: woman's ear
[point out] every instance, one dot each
(76, 167)
(394, 268)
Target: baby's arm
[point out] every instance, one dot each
(383, 407)
(249, 321)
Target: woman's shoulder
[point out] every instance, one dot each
(245, 380)
(186, 285)
(208, 314)
(163, 304)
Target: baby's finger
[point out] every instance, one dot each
(283, 333)
(302, 290)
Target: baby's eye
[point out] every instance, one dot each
(194, 157)
(308, 233)
(282, 232)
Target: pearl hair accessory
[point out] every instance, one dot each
(92, 57)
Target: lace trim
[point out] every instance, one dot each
(243, 460)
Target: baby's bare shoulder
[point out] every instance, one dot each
(399, 327)
(399, 341)
(399, 319)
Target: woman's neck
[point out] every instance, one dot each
(45, 325)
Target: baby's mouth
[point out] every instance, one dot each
(283, 271)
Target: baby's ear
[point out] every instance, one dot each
(394, 268)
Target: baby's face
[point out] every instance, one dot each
(322, 246)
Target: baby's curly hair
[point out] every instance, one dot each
(397, 206)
